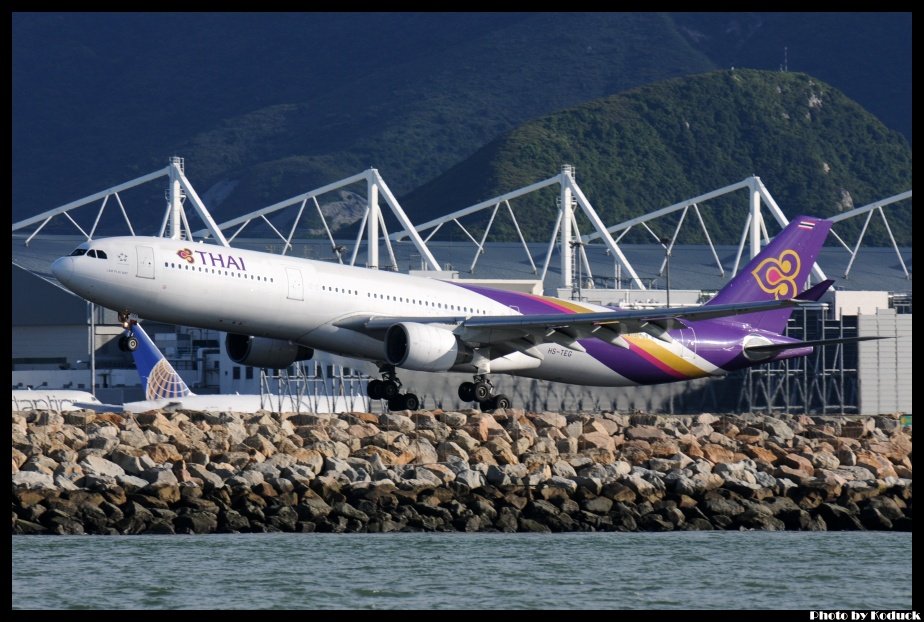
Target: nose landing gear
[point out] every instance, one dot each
(127, 342)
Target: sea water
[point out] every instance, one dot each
(680, 570)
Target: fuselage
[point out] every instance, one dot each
(311, 303)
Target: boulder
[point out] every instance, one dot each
(396, 422)
(878, 465)
(563, 483)
(776, 428)
(596, 439)
(454, 420)
(471, 479)
(209, 478)
(800, 464)
(839, 518)
(551, 420)
(423, 451)
(132, 460)
(635, 451)
(664, 448)
(717, 454)
(196, 522)
(760, 454)
(713, 505)
(97, 465)
(598, 505)
(33, 480)
(644, 433)
(752, 519)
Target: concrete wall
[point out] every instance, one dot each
(885, 366)
(859, 303)
(68, 341)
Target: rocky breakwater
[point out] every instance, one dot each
(192, 472)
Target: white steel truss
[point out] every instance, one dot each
(565, 233)
(570, 196)
(372, 220)
(178, 190)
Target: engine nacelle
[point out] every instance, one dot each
(424, 347)
(265, 352)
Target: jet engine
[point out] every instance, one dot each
(265, 352)
(424, 347)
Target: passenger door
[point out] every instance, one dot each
(296, 290)
(145, 262)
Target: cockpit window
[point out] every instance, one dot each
(91, 253)
(101, 255)
(78, 252)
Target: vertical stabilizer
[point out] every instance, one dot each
(779, 272)
(158, 377)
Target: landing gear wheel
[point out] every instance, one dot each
(467, 391)
(122, 345)
(390, 390)
(500, 401)
(131, 343)
(481, 391)
(374, 389)
(396, 403)
(411, 401)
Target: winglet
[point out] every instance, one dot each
(815, 292)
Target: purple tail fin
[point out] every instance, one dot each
(779, 272)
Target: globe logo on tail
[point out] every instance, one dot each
(163, 382)
(777, 275)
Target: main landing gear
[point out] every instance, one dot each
(389, 388)
(482, 391)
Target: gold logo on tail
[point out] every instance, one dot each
(777, 275)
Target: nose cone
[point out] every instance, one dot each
(63, 269)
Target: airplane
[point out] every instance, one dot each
(57, 400)
(164, 388)
(278, 309)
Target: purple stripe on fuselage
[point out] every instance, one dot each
(526, 305)
(627, 363)
(624, 362)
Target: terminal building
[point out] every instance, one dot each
(62, 342)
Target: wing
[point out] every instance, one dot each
(774, 348)
(522, 333)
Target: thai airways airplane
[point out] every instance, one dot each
(278, 309)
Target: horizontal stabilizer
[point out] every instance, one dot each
(773, 348)
(816, 292)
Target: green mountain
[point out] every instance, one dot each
(816, 150)
(865, 55)
(267, 105)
